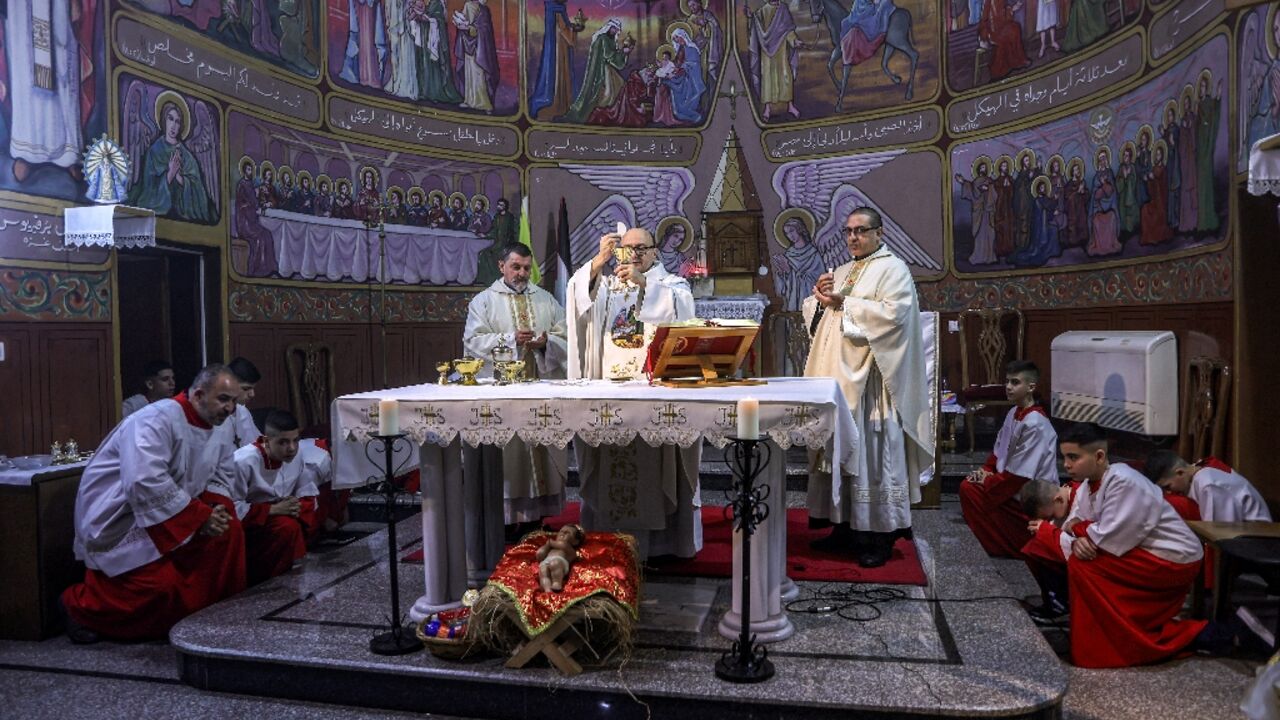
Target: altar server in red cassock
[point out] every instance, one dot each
(1132, 562)
(1026, 449)
(1047, 504)
(1209, 490)
(156, 544)
(275, 492)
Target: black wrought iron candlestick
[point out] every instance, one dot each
(400, 639)
(747, 661)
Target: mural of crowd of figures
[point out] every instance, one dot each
(452, 54)
(990, 40)
(312, 208)
(655, 66)
(1144, 174)
(1136, 177)
(277, 31)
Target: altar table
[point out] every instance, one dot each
(462, 521)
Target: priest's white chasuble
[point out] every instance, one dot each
(532, 477)
(873, 347)
(651, 493)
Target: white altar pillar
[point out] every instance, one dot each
(444, 549)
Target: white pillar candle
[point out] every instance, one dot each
(388, 417)
(749, 419)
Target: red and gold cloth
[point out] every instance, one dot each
(606, 565)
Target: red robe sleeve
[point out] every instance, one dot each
(308, 515)
(259, 514)
(171, 533)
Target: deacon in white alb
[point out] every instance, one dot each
(157, 545)
(524, 317)
(865, 321)
(612, 319)
(157, 384)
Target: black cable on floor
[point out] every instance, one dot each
(864, 605)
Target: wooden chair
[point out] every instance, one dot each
(1206, 394)
(787, 331)
(989, 339)
(311, 385)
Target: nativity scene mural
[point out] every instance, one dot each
(807, 59)
(173, 143)
(285, 33)
(1139, 176)
(310, 208)
(990, 40)
(1259, 77)
(52, 94)
(457, 55)
(604, 66)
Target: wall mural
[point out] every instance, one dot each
(52, 89)
(990, 40)
(656, 67)
(808, 59)
(295, 126)
(175, 151)
(282, 32)
(1142, 175)
(448, 54)
(1259, 77)
(307, 208)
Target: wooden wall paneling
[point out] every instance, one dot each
(21, 424)
(435, 343)
(355, 370)
(399, 351)
(77, 372)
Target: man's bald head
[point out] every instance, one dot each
(641, 242)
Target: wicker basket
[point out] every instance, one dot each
(448, 648)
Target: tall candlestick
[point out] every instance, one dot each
(749, 419)
(388, 417)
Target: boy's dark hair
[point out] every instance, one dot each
(245, 370)
(1035, 494)
(280, 421)
(1023, 367)
(1161, 464)
(1086, 435)
(154, 368)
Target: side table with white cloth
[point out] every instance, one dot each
(460, 529)
(37, 532)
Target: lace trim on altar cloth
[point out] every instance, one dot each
(1264, 186)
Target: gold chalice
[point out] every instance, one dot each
(513, 371)
(500, 371)
(468, 367)
(445, 367)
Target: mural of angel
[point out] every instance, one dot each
(640, 197)
(674, 238)
(828, 189)
(1259, 78)
(175, 157)
(795, 269)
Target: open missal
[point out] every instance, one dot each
(701, 352)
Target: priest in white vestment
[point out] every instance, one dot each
(156, 543)
(865, 321)
(651, 493)
(527, 319)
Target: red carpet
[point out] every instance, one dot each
(803, 562)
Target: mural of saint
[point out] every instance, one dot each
(601, 81)
(1023, 200)
(1155, 217)
(554, 89)
(366, 44)
(686, 82)
(1086, 24)
(168, 177)
(502, 231)
(324, 196)
(1207, 119)
(368, 200)
(262, 250)
(476, 55)
(981, 194)
(480, 220)
(1002, 30)
(50, 81)
(343, 203)
(1128, 205)
(707, 35)
(1042, 244)
(397, 212)
(437, 215)
(1104, 221)
(417, 214)
(774, 51)
(459, 218)
(267, 195)
(1075, 195)
(1004, 218)
(433, 59)
(1171, 134)
(1188, 164)
(304, 200)
(1262, 76)
(402, 53)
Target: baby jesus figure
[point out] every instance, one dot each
(555, 558)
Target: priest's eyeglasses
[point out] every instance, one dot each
(849, 232)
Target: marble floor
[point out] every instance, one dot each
(960, 647)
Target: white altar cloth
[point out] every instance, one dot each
(331, 249)
(460, 528)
